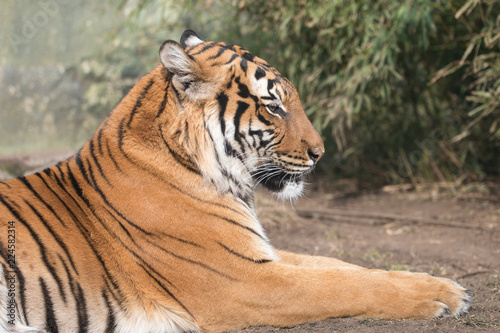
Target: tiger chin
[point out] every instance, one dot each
(151, 226)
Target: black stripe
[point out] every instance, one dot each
(270, 85)
(5, 184)
(109, 280)
(257, 135)
(81, 305)
(228, 149)
(99, 141)
(244, 92)
(110, 154)
(165, 288)
(91, 175)
(106, 201)
(163, 104)
(121, 226)
(242, 107)
(225, 173)
(263, 120)
(150, 268)
(186, 133)
(228, 46)
(121, 136)
(50, 317)
(97, 163)
(81, 166)
(58, 239)
(259, 73)
(75, 185)
(181, 160)
(234, 56)
(104, 198)
(248, 56)
(61, 174)
(179, 239)
(111, 325)
(244, 65)
(37, 195)
(68, 274)
(43, 250)
(194, 262)
(204, 48)
(222, 99)
(138, 102)
(36, 238)
(99, 135)
(230, 83)
(51, 173)
(177, 188)
(178, 96)
(219, 53)
(237, 224)
(81, 309)
(274, 144)
(84, 231)
(112, 292)
(257, 261)
(81, 323)
(19, 275)
(12, 203)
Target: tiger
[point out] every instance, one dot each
(151, 226)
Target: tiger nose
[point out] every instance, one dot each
(315, 153)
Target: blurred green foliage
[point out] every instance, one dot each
(401, 91)
(407, 90)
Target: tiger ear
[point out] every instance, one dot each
(190, 38)
(174, 58)
(187, 74)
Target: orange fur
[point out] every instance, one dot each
(151, 226)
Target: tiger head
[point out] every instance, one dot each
(251, 126)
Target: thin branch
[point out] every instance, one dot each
(325, 213)
(472, 274)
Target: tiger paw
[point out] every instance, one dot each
(464, 297)
(422, 296)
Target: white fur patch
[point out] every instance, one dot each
(193, 41)
(160, 321)
(212, 169)
(291, 191)
(260, 86)
(19, 326)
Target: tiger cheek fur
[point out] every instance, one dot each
(151, 226)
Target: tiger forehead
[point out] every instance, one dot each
(223, 53)
(215, 54)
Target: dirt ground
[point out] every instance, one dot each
(455, 235)
(451, 233)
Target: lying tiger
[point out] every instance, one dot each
(151, 226)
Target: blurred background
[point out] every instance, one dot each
(402, 92)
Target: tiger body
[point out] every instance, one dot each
(151, 226)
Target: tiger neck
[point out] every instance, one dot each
(157, 128)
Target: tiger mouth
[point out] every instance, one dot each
(277, 182)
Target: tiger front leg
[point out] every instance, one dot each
(280, 294)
